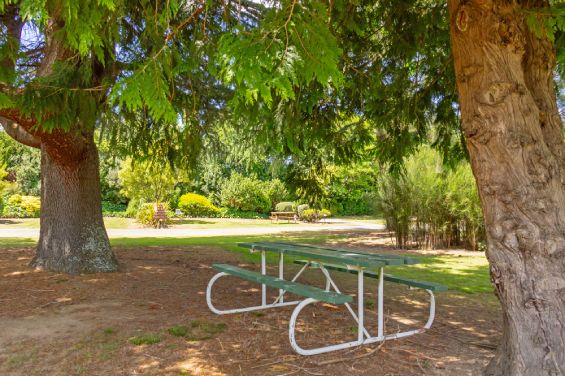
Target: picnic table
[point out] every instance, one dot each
(275, 216)
(325, 259)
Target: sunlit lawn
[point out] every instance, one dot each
(463, 274)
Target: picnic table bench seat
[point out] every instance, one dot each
(293, 287)
(387, 277)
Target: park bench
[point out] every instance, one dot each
(289, 216)
(160, 216)
(325, 259)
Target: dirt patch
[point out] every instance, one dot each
(55, 324)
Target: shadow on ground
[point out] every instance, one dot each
(88, 324)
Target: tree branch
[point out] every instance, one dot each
(19, 134)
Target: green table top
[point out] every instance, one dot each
(334, 255)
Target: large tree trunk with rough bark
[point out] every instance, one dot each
(72, 234)
(72, 237)
(515, 140)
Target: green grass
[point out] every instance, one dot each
(197, 330)
(468, 274)
(145, 339)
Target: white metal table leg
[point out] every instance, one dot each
(263, 286)
(380, 304)
(360, 307)
(293, 280)
(319, 350)
(281, 275)
(330, 282)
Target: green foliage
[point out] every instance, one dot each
(352, 189)
(22, 163)
(301, 208)
(195, 205)
(432, 206)
(547, 22)
(146, 214)
(111, 209)
(276, 191)
(245, 194)
(145, 339)
(314, 215)
(285, 207)
(197, 330)
(110, 166)
(291, 46)
(18, 206)
(147, 181)
(235, 213)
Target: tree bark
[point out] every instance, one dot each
(515, 140)
(72, 236)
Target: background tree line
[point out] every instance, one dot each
(427, 205)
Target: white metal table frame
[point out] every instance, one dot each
(363, 338)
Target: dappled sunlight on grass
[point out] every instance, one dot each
(469, 274)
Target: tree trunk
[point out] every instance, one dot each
(515, 140)
(72, 236)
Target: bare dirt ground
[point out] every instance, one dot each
(55, 324)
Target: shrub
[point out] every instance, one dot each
(195, 205)
(145, 214)
(234, 213)
(276, 191)
(133, 207)
(19, 206)
(111, 209)
(285, 206)
(301, 208)
(245, 194)
(310, 215)
(314, 215)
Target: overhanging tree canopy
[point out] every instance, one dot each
(399, 76)
(301, 71)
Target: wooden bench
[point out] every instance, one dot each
(275, 216)
(435, 287)
(289, 286)
(160, 216)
